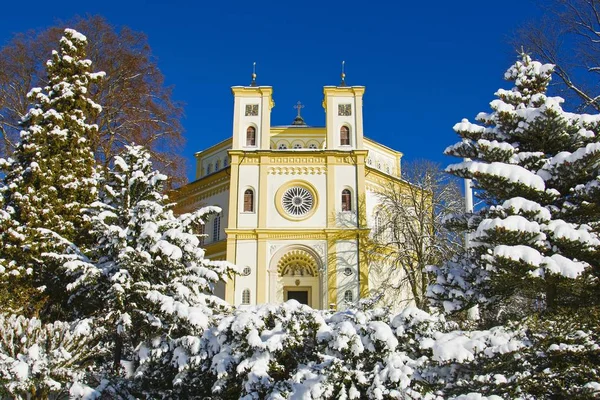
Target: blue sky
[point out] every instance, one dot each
(425, 65)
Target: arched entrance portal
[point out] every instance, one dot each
(295, 274)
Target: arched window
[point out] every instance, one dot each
(225, 162)
(217, 165)
(251, 136)
(209, 169)
(249, 200)
(348, 296)
(344, 136)
(312, 146)
(346, 200)
(246, 296)
(297, 146)
(282, 146)
(216, 228)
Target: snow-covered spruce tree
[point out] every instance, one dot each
(533, 260)
(41, 361)
(293, 351)
(534, 247)
(148, 282)
(48, 180)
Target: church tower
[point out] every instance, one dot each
(344, 116)
(252, 116)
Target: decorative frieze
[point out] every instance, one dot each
(297, 160)
(297, 170)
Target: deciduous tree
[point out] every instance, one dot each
(137, 105)
(409, 232)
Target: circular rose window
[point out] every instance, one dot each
(297, 201)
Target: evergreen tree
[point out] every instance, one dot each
(41, 361)
(149, 281)
(48, 181)
(535, 246)
(532, 264)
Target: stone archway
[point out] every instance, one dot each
(295, 274)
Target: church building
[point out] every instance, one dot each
(297, 201)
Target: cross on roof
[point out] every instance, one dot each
(299, 106)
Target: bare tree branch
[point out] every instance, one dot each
(409, 231)
(568, 36)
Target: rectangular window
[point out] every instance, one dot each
(216, 228)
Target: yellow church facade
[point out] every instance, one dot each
(297, 201)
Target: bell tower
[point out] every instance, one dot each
(252, 116)
(344, 115)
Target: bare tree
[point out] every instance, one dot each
(137, 106)
(409, 231)
(568, 36)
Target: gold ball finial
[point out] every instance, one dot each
(343, 83)
(253, 83)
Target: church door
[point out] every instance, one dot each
(301, 296)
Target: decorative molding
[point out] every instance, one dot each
(278, 234)
(297, 160)
(297, 170)
(251, 160)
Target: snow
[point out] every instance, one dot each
(566, 267)
(512, 173)
(461, 346)
(83, 392)
(476, 396)
(519, 205)
(75, 35)
(563, 230)
(515, 223)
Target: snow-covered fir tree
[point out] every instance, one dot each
(41, 361)
(534, 246)
(48, 181)
(147, 281)
(293, 351)
(532, 263)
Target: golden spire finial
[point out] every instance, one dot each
(253, 83)
(343, 74)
